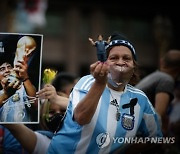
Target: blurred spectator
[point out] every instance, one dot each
(159, 85)
(51, 115)
(64, 82)
(174, 122)
(9, 144)
(61, 86)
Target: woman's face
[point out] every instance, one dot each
(121, 64)
(53, 109)
(54, 117)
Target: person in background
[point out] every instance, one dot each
(61, 85)
(51, 114)
(64, 83)
(159, 85)
(174, 121)
(8, 143)
(103, 106)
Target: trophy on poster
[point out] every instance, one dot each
(25, 47)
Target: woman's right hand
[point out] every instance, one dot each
(48, 92)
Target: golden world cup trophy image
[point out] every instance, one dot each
(25, 47)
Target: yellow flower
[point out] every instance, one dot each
(49, 75)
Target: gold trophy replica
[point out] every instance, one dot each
(25, 47)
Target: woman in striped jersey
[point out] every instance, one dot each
(104, 108)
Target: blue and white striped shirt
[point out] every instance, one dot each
(98, 136)
(14, 108)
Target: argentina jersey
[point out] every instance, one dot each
(14, 108)
(118, 114)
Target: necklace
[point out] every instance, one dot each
(116, 104)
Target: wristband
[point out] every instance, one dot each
(25, 79)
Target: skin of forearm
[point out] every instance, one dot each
(61, 101)
(3, 97)
(24, 135)
(30, 89)
(86, 108)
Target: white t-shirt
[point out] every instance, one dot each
(42, 144)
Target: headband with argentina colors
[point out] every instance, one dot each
(118, 39)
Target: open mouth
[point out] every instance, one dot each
(6, 75)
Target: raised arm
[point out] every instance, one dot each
(22, 70)
(3, 97)
(86, 108)
(92, 42)
(49, 92)
(24, 135)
